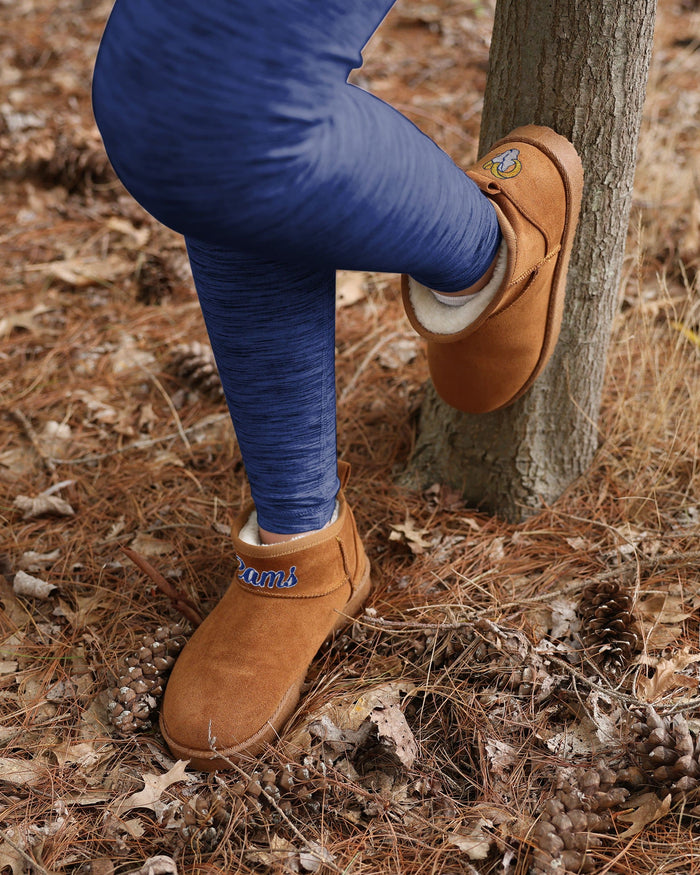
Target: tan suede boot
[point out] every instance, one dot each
(238, 679)
(487, 352)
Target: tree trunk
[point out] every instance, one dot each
(580, 68)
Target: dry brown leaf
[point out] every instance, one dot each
(662, 607)
(96, 404)
(64, 690)
(350, 287)
(90, 609)
(54, 438)
(667, 676)
(8, 666)
(22, 773)
(42, 504)
(147, 417)
(101, 866)
(160, 865)
(154, 786)
(476, 844)
(400, 352)
(579, 739)
(30, 695)
(168, 457)
(282, 853)
(10, 858)
(496, 549)
(539, 619)
(80, 272)
(83, 753)
(93, 721)
(411, 535)
(659, 637)
(565, 618)
(342, 721)
(17, 461)
(128, 357)
(471, 523)
(660, 615)
(147, 545)
(502, 756)
(86, 798)
(133, 827)
(393, 728)
(335, 737)
(139, 236)
(17, 612)
(606, 716)
(382, 696)
(314, 857)
(33, 561)
(646, 808)
(24, 319)
(32, 587)
(577, 543)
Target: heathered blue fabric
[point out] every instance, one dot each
(232, 122)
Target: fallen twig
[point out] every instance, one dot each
(309, 847)
(33, 438)
(32, 863)
(180, 601)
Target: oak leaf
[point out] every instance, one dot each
(42, 504)
(411, 535)
(33, 587)
(153, 787)
(647, 808)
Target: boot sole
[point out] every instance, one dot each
(208, 761)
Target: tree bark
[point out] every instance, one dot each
(582, 69)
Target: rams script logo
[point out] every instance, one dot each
(267, 579)
(505, 165)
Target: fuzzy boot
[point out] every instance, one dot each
(239, 677)
(487, 352)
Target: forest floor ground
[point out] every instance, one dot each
(490, 711)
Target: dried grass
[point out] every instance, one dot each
(150, 462)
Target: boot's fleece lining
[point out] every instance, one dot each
(442, 318)
(250, 535)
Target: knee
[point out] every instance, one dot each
(228, 169)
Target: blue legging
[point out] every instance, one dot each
(232, 122)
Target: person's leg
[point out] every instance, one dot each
(247, 138)
(233, 123)
(272, 329)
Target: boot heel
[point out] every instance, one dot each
(353, 607)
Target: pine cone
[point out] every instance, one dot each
(486, 656)
(195, 363)
(669, 754)
(425, 650)
(75, 160)
(245, 801)
(205, 816)
(290, 786)
(153, 281)
(609, 631)
(504, 659)
(142, 679)
(572, 820)
(440, 649)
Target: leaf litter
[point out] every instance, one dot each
(464, 709)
